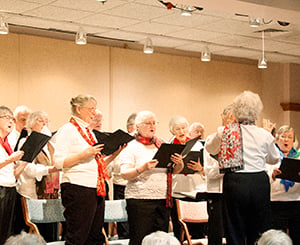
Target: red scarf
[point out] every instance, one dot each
(148, 141)
(6, 145)
(102, 171)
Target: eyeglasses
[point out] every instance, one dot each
(286, 137)
(91, 109)
(148, 124)
(7, 117)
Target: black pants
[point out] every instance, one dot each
(215, 221)
(286, 217)
(84, 213)
(246, 207)
(7, 210)
(146, 216)
(122, 227)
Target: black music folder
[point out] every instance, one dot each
(192, 156)
(112, 141)
(33, 145)
(290, 169)
(200, 195)
(164, 153)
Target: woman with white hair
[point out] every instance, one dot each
(179, 127)
(40, 179)
(274, 237)
(285, 194)
(243, 150)
(148, 191)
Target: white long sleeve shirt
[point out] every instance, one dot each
(258, 148)
(68, 141)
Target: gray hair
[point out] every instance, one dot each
(283, 129)
(131, 120)
(274, 237)
(142, 115)
(33, 117)
(21, 109)
(177, 120)
(80, 100)
(194, 125)
(5, 109)
(247, 106)
(25, 239)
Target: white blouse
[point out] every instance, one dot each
(68, 141)
(151, 184)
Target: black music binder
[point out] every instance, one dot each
(290, 169)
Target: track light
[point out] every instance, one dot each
(80, 37)
(262, 62)
(148, 46)
(205, 54)
(186, 11)
(255, 21)
(3, 26)
(101, 1)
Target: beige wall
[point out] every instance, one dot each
(45, 73)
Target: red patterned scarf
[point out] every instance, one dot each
(231, 153)
(102, 171)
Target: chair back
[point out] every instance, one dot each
(194, 212)
(115, 211)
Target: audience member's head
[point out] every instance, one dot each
(274, 237)
(196, 129)
(130, 124)
(25, 239)
(21, 114)
(178, 126)
(247, 107)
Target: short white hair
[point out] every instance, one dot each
(274, 237)
(25, 239)
(194, 125)
(142, 115)
(177, 120)
(247, 106)
(21, 109)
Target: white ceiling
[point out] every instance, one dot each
(131, 21)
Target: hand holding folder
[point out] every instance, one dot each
(112, 141)
(192, 156)
(165, 152)
(33, 145)
(290, 169)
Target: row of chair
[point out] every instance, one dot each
(51, 210)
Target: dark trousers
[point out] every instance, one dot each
(7, 209)
(122, 227)
(246, 207)
(146, 216)
(84, 214)
(286, 217)
(215, 221)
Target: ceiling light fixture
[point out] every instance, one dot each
(262, 62)
(186, 10)
(3, 26)
(81, 37)
(205, 54)
(101, 1)
(148, 46)
(255, 21)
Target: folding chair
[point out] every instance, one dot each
(42, 211)
(115, 211)
(193, 212)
